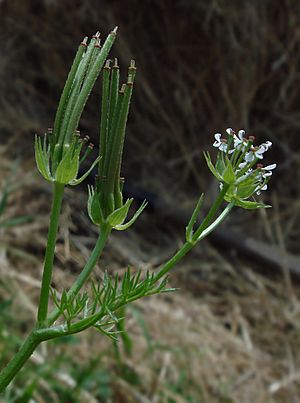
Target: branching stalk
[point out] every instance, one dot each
(59, 158)
(205, 228)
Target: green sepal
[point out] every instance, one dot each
(246, 188)
(122, 227)
(220, 164)
(248, 205)
(211, 166)
(42, 158)
(228, 173)
(56, 156)
(223, 170)
(75, 182)
(68, 167)
(118, 216)
(189, 229)
(94, 206)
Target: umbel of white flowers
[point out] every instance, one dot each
(238, 166)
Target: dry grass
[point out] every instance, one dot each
(231, 334)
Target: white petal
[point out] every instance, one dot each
(218, 136)
(249, 157)
(229, 131)
(236, 141)
(259, 189)
(241, 134)
(265, 175)
(269, 167)
(268, 144)
(216, 144)
(242, 165)
(259, 153)
(223, 147)
(261, 150)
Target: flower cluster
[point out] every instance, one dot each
(239, 167)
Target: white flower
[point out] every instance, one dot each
(267, 145)
(256, 153)
(220, 143)
(249, 157)
(242, 165)
(230, 131)
(268, 170)
(239, 140)
(223, 147)
(218, 139)
(265, 172)
(259, 152)
(269, 167)
(259, 189)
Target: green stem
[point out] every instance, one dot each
(86, 323)
(212, 211)
(86, 271)
(42, 334)
(187, 246)
(216, 223)
(17, 362)
(49, 255)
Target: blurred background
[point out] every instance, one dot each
(231, 333)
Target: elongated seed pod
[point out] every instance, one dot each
(111, 131)
(104, 117)
(89, 82)
(114, 91)
(65, 94)
(80, 75)
(119, 135)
